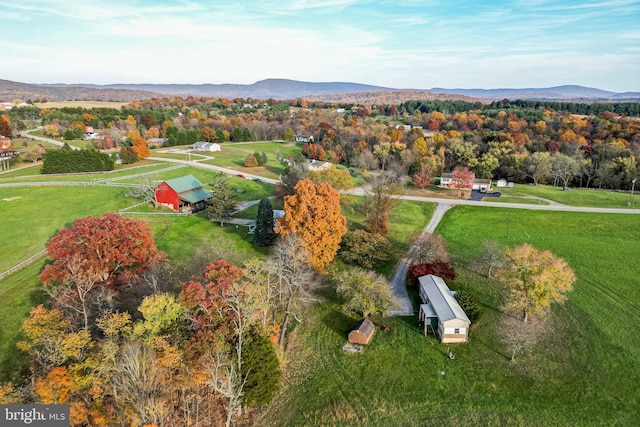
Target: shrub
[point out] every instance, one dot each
(69, 135)
(469, 303)
(250, 161)
(437, 268)
(365, 249)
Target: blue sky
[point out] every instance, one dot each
(404, 44)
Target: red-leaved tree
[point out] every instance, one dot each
(437, 268)
(97, 257)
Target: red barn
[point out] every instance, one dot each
(184, 194)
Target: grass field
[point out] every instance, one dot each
(232, 156)
(574, 197)
(32, 216)
(583, 372)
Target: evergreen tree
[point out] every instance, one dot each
(77, 131)
(264, 234)
(258, 158)
(246, 135)
(261, 367)
(237, 135)
(222, 205)
(69, 135)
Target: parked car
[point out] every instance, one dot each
(257, 179)
(495, 194)
(240, 175)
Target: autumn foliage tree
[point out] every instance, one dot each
(313, 215)
(462, 178)
(535, 278)
(97, 257)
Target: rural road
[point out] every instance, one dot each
(26, 134)
(197, 164)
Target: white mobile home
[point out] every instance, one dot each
(440, 313)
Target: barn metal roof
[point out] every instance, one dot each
(189, 188)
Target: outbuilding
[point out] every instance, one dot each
(440, 312)
(184, 194)
(362, 332)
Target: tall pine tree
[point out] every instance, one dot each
(264, 234)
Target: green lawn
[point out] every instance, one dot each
(583, 372)
(31, 216)
(515, 199)
(33, 174)
(573, 197)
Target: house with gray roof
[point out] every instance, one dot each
(440, 313)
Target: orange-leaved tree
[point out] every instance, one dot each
(313, 215)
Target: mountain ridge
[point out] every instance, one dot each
(294, 89)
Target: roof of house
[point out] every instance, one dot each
(482, 181)
(446, 175)
(441, 298)
(189, 188)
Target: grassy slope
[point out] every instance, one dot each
(583, 372)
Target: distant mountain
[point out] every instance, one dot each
(14, 90)
(264, 89)
(390, 97)
(566, 92)
(293, 89)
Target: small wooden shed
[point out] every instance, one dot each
(362, 332)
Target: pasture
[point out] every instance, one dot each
(583, 372)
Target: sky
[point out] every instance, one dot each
(409, 44)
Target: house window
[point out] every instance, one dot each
(456, 331)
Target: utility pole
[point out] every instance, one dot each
(633, 185)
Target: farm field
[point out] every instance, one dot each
(32, 216)
(583, 372)
(81, 104)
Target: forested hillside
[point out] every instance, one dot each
(589, 145)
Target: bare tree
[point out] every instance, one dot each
(430, 247)
(289, 263)
(78, 296)
(34, 153)
(492, 257)
(564, 168)
(517, 334)
(138, 384)
(225, 379)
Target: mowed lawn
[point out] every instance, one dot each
(31, 216)
(573, 197)
(232, 156)
(584, 371)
